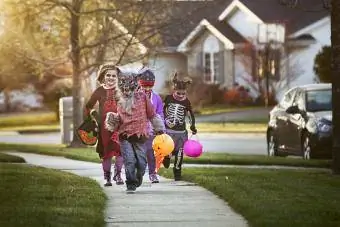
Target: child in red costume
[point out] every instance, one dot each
(108, 144)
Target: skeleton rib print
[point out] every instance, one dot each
(175, 115)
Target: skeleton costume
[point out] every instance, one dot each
(106, 146)
(176, 107)
(146, 82)
(134, 112)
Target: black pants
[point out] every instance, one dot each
(179, 139)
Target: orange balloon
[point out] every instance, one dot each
(163, 145)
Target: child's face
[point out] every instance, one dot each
(180, 94)
(110, 77)
(147, 88)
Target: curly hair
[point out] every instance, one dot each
(103, 69)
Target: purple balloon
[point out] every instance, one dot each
(193, 148)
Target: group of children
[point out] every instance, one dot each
(131, 114)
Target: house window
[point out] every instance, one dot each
(211, 67)
(211, 61)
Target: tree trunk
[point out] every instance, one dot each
(335, 38)
(75, 57)
(7, 100)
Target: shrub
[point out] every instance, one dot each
(201, 94)
(238, 96)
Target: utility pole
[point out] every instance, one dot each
(335, 39)
(267, 72)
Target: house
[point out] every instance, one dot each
(223, 41)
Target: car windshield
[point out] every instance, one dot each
(319, 100)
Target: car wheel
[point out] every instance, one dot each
(306, 148)
(271, 145)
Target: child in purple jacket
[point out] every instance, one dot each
(146, 83)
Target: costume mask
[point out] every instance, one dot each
(180, 87)
(127, 83)
(146, 81)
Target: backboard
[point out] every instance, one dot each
(271, 32)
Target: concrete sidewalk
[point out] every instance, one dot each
(168, 203)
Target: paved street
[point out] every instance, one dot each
(241, 115)
(238, 143)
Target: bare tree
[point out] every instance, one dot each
(87, 33)
(253, 63)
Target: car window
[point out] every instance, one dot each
(319, 100)
(299, 100)
(287, 99)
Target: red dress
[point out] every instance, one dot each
(108, 142)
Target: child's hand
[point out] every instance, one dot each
(159, 133)
(193, 129)
(112, 121)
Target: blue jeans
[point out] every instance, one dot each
(134, 157)
(150, 155)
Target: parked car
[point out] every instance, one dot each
(301, 124)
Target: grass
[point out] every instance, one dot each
(232, 127)
(32, 128)
(202, 127)
(10, 158)
(28, 119)
(223, 109)
(89, 154)
(28, 123)
(82, 154)
(294, 198)
(35, 196)
(235, 159)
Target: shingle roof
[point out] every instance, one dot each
(305, 13)
(184, 16)
(228, 31)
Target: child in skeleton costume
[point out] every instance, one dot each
(146, 83)
(135, 111)
(106, 146)
(176, 108)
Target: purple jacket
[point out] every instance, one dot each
(157, 103)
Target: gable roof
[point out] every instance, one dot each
(220, 29)
(304, 14)
(184, 16)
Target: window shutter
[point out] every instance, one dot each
(199, 64)
(221, 68)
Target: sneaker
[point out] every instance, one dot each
(177, 174)
(118, 179)
(107, 184)
(166, 162)
(153, 178)
(131, 189)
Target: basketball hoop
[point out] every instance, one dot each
(271, 33)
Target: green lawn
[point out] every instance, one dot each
(35, 196)
(10, 158)
(28, 119)
(294, 198)
(89, 154)
(231, 127)
(47, 122)
(223, 109)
